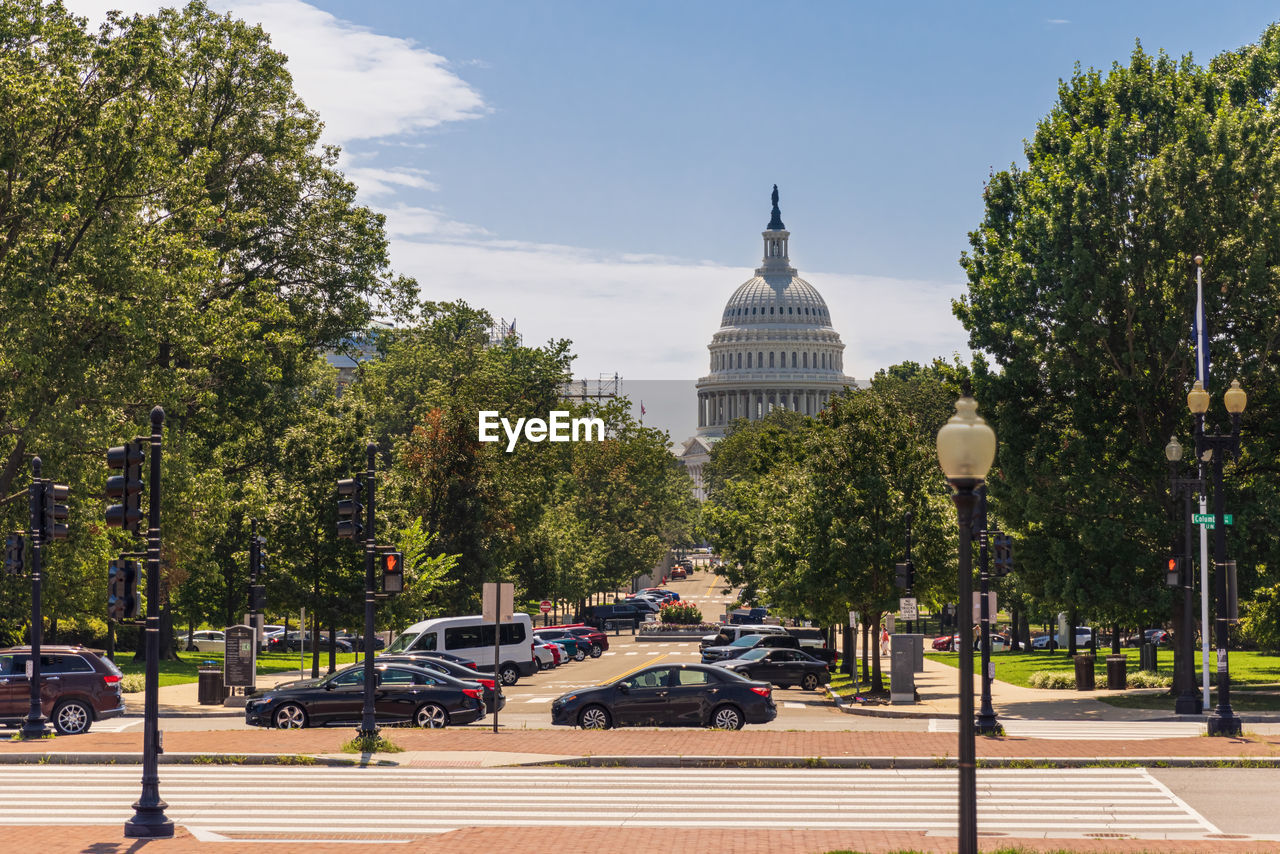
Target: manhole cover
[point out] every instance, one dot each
(1108, 836)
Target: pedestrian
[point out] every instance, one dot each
(884, 640)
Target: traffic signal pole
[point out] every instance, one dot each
(149, 820)
(34, 724)
(368, 721)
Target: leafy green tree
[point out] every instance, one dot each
(1081, 293)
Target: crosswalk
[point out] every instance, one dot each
(311, 803)
(1090, 730)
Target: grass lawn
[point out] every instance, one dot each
(1241, 701)
(177, 672)
(1247, 668)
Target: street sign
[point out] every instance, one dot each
(977, 606)
(545, 606)
(907, 607)
(1207, 519)
(497, 607)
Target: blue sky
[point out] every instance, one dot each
(601, 170)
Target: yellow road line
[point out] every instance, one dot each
(640, 666)
(712, 585)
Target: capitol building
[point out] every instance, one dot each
(775, 349)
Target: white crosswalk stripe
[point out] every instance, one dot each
(313, 801)
(1091, 730)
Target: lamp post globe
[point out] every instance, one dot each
(1198, 399)
(1173, 450)
(966, 450)
(1235, 399)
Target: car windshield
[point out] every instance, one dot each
(753, 654)
(401, 643)
(747, 640)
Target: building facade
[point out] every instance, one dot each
(775, 349)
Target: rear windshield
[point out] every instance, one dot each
(747, 640)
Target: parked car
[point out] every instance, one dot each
(669, 695)
(718, 653)
(208, 640)
(643, 605)
(77, 687)
(448, 656)
(299, 642)
(662, 594)
(814, 642)
(404, 693)
(748, 615)
(600, 616)
(356, 642)
(472, 635)
(599, 640)
(782, 667)
(1050, 641)
(678, 572)
(577, 648)
(548, 655)
(946, 643)
(1157, 636)
(491, 693)
(268, 633)
(729, 633)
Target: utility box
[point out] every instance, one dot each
(917, 651)
(902, 669)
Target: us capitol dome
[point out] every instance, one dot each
(775, 349)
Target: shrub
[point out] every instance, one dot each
(680, 613)
(1146, 679)
(1260, 623)
(132, 683)
(1052, 679)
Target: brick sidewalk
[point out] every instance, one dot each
(648, 742)
(594, 840)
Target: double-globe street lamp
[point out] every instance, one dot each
(1215, 448)
(1189, 700)
(966, 450)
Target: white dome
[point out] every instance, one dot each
(776, 299)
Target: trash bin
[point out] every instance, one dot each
(210, 690)
(1084, 672)
(1117, 672)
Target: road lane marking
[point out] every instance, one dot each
(640, 666)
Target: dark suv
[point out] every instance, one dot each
(599, 616)
(77, 687)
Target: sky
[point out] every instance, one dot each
(600, 171)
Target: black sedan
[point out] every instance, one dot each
(669, 695)
(404, 694)
(782, 667)
(428, 661)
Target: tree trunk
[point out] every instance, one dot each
(315, 634)
(333, 648)
(1014, 646)
(168, 650)
(866, 639)
(1071, 635)
(877, 683)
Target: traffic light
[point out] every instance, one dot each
(257, 598)
(53, 513)
(392, 572)
(1002, 554)
(906, 575)
(350, 491)
(122, 590)
(13, 554)
(127, 487)
(1174, 571)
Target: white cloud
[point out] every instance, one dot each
(652, 319)
(364, 85)
(374, 182)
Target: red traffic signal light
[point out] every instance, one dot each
(1173, 571)
(392, 572)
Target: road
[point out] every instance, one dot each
(341, 802)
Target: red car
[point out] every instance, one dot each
(597, 641)
(946, 643)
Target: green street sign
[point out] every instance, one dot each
(1207, 519)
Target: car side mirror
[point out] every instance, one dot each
(624, 688)
(328, 686)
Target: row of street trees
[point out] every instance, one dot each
(172, 232)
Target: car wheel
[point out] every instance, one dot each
(726, 717)
(72, 718)
(509, 674)
(596, 650)
(289, 716)
(809, 682)
(595, 717)
(579, 654)
(431, 716)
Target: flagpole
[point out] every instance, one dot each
(1202, 374)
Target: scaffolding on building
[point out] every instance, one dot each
(503, 332)
(607, 386)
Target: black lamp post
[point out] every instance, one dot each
(987, 722)
(1189, 701)
(33, 726)
(1215, 448)
(966, 449)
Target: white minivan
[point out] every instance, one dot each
(472, 637)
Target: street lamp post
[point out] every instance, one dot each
(966, 449)
(1189, 701)
(987, 722)
(1215, 448)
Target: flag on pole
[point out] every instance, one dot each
(642, 409)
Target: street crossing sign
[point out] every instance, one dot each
(1207, 519)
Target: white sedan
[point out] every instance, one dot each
(207, 641)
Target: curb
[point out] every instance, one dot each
(850, 708)
(282, 759)
(910, 762)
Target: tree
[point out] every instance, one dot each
(1081, 292)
